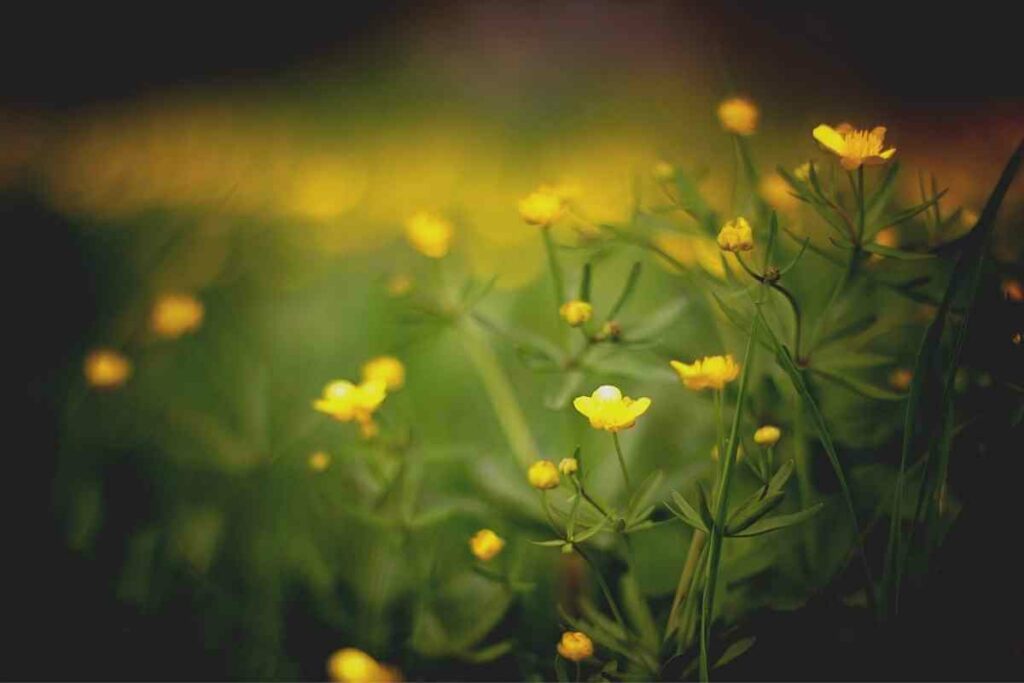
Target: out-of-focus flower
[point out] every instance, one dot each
(542, 207)
(736, 236)
(387, 369)
(710, 372)
(368, 429)
(803, 171)
(1013, 290)
(663, 171)
(776, 191)
(399, 284)
(691, 250)
(609, 410)
(854, 147)
(738, 115)
(319, 461)
(350, 665)
(969, 217)
(176, 314)
(888, 237)
(345, 401)
(1017, 338)
(543, 475)
(610, 330)
(429, 233)
(107, 368)
(568, 466)
(575, 646)
(485, 544)
(767, 435)
(900, 379)
(740, 453)
(576, 312)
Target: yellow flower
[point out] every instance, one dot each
(1017, 338)
(542, 207)
(900, 379)
(609, 410)
(768, 435)
(803, 171)
(1013, 290)
(969, 217)
(175, 314)
(888, 237)
(736, 236)
(738, 115)
(854, 147)
(107, 369)
(345, 401)
(568, 466)
(429, 233)
(663, 171)
(485, 544)
(710, 372)
(387, 369)
(776, 192)
(350, 665)
(543, 475)
(319, 461)
(576, 312)
(575, 646)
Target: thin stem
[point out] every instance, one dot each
(547, 512)
(556, 270)
(860, 202)
(597, 506)
(604, 588)
(719, 427)
(686, 578)
(797, 320)
(622, 463)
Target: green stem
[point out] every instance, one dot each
(622, 463)
(686, 578)
(719, 428)
(797, 320)
(860, 205)
(556, 270)
(502, 396)
(721, 507)
(597, 506)
(604, 589)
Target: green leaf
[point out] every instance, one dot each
(907, 214)
(643, 493)
(687, 513)
(554, 543)
(753, 509)
(900, 254)
(777, 522)
(488, 653)
(627, 290)
(638, 613)
(860, 387)
(735, 650)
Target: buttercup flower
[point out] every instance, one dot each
(803, 171)
(768, 435)
(175, 314)
(663, 171)
(888, 237)
(575, 646)
(543, 475)
(609, 410)
(854, 147)
(350, 665)
(387, 369)
(543, 206)
(576, 312)
(969, 217)
(738, 115)
(319, 461)
(736, 236)
(107, 369)
(345, 401)
(710, 372)
(430, 234)
(568, 466)
(485, 544)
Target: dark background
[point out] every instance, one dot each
(63, 620)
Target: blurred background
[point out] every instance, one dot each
(268, 158)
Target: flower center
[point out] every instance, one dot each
(861, 144)
(608, 393)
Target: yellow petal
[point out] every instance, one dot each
(584, 404)
(850, 163)
(640, 406)
(830, 138)
(887, 154)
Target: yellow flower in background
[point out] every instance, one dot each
(542, 207)
(736, 236)
(1013, 290)
(368, 428)
(485, 544)
(803, 171)
(319, 461)
(900, 379)
(690, 250)
(969, 217)
(855, 148)
(543, 475)
(710, 372)
(576, 312)
(350, 665)
(775, 191)
(767, 435)
(738, 115)
(888, 237)
(575, 646)
(387, 369)
(345, 401)
(107, 368)
(609, 410)
(176, 314)
(663, 171)
(568, 466)
(430, 234)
